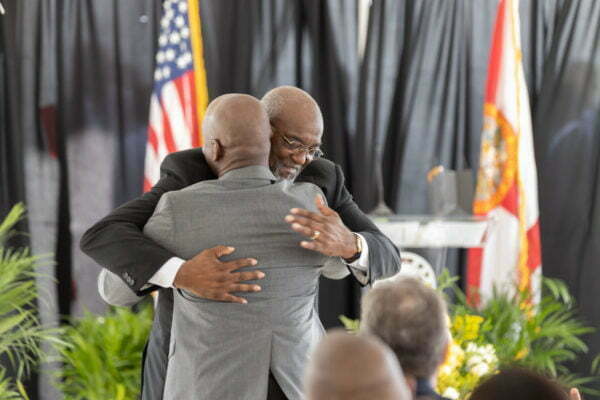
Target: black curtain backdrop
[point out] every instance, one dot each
(420, 105)
(310, 44)
(74, 109)
(12, 190)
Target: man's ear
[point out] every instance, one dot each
(271, 132)
(215, 150)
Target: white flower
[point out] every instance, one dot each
(480, 369)
(451, 393)
(489, 353)
(445, 370)
(472, 347)
(474, 360)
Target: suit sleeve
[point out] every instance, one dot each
(384, 256)
(114, 291)
(117, 243)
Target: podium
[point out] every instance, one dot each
(432, 232)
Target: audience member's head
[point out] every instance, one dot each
(236, 133)
(411, 319)
(518, 384)
(351, 367)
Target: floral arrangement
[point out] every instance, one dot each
(467, 360)
(509, 331)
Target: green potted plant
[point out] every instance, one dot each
(20, 330)
(102, 355)
(506, 332)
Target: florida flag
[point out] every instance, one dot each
(507, 179)
(180, 94)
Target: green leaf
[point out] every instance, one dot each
(102, 355)
(351, 325)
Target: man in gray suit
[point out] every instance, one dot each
(209, 356)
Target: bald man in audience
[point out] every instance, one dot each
(351, 367)
(411, 318)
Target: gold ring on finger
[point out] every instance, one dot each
(315, 235)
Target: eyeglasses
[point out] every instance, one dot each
(297, 147)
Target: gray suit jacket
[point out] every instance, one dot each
(225, 350)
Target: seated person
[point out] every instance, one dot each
(520, 384)
(411, 318)
(352, 367)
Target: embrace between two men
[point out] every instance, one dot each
(253, 217)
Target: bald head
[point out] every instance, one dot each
(351, 367)
(236, 132)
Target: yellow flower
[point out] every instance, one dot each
(522, 353)
(467, 327)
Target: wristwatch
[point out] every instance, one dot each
(356, 255)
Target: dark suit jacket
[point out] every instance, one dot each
(116, 242)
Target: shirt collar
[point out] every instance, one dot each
(251, 172)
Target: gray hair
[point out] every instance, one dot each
(411, 318)
(286, 102)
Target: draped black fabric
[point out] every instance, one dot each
(567, 144)
(421, 92)
(106, 54)
(420, 105)
(100, 56)
(80, 76)
(12, 190)
(11, 162)
(253, 46)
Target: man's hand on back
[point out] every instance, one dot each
(210, 278)
(326, 229)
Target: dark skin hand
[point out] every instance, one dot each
(334, 238)
(208, 277)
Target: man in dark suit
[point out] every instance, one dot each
(117, 243)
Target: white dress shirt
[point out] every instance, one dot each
(165, 276)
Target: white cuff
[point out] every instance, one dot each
(114, 291)
(360, 266)
(165, 276)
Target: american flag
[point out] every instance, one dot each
(180, 95)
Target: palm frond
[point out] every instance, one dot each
(101, 355)
(7, 225)
(20, 331)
